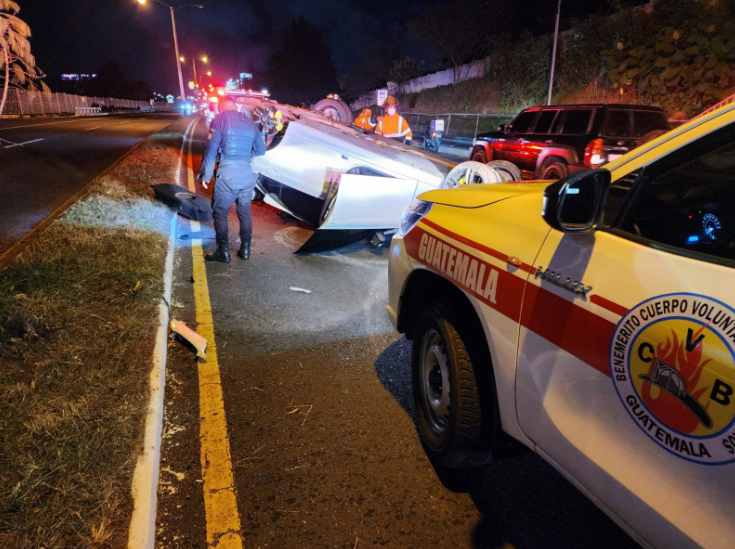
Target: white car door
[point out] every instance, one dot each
(626, 365)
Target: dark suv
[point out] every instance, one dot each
(552, 142)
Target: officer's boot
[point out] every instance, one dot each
(222, 255)
(244, 251)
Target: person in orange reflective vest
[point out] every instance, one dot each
(364, 122)
(392, 124)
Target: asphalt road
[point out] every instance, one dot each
(317, 396)
(46, 160)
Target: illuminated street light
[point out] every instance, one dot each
(209, 73)
(176, 39)
(205, 59)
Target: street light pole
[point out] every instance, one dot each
(178, 58)
(194, 66)
(553, 54)
(176, 41)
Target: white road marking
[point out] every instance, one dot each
(6, 141)
(128, 122)
(95, 128)
(46, 124)
(24, 143)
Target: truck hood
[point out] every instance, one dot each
(477, 196)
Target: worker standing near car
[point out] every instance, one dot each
(236, 139)
(392, 124)
(364, 121)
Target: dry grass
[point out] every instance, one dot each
(76, 340)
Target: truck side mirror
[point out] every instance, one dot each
(574, 204)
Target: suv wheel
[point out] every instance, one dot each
(453, 423)
(479, 156)
(555, 170)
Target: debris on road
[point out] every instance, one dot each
(189, 338)
(300, 290)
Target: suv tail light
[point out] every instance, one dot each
(594, 156)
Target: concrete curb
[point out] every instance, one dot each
(142, 531)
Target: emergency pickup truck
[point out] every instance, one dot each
(591, 320)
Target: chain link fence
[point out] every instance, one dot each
(458, 125)
(23, 102)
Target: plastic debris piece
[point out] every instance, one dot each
(300, 290)
(189, 338)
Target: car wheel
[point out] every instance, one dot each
(334, 109)
(479, 156)
(508, 171)
(470, 172)
(452, 423)
(555, 170)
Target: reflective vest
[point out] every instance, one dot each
(395, 127)
(364, 122)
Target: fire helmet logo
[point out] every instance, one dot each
(672, 359)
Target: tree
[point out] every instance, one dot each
(303, 69)
(17, 65)
(405, 69)
(461, 30)
(110, 82)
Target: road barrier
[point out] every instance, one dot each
(24, 102)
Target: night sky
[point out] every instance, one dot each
(79, 36)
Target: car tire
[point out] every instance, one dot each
(555, 170)
(335, 109)
(479, 156)
(508, 171)
(454, 426)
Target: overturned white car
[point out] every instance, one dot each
(347, 183)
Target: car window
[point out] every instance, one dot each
(523, 121)
(558, 123)
(577, 121)
(648, 121)
(543, 124)
(617, 123)
(364, 170)
(688, 202)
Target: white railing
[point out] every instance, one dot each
(24, 102)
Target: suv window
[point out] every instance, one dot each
(617, 123)
(523, 121)
(648, 121)
(688, 201)
(577, 121)
(543, 125)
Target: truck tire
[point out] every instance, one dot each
(479, 155)
(335, 109)
(454, 398)
(555, 170)
(508, 171)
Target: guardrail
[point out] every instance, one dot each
(459, 125)
(25, 102)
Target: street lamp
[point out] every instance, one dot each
(204, 59)
(176, 39)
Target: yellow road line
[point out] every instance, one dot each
(220, 501)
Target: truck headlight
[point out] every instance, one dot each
(415, 211)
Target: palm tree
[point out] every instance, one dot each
(17, 65)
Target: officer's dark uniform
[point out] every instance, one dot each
(236, 138)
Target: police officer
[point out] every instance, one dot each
(236, 139)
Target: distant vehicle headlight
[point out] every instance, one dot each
(415, 211)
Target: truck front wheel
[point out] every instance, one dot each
(453, 390)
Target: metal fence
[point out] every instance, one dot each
(22, 102)
(456, 124)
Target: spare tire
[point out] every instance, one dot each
(335, 109)
(471, 172)
(507, 170)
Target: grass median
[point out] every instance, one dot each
(78, 318)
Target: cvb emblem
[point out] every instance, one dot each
(671, 360)
(574, 286)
